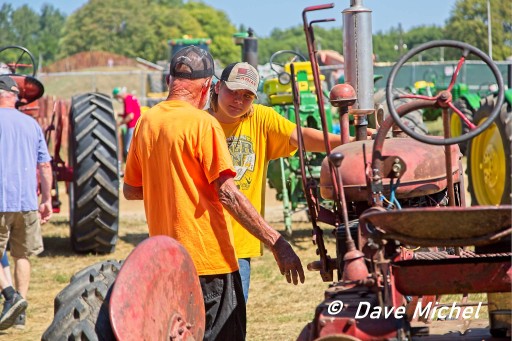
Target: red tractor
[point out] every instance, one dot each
(90, 170)
(404, 235)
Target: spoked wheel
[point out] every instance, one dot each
(444, 98)
(17, 60)
(94, 191)
(489, 157)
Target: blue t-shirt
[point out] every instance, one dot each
(22, 147)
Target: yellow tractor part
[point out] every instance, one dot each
(455, 125)
(488, 166)
(281, 94)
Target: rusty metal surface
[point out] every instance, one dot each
(157, 295)
(30, 88)
(425, 163)
(344, 323)
(443, 226)
(452, 276)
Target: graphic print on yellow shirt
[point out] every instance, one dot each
(252, 143)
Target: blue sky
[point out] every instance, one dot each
(264, 15)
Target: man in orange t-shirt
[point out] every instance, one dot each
(179, 164)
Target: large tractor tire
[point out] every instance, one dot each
(489, 157)
(82, 308)
(457, 126)
(94, 190)
(413, 120)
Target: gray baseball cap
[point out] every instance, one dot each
(241, 76)
(8, 84)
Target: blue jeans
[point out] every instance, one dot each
(127, 140)
(5, 261)
(245, 274)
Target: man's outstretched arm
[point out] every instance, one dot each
(244, 212)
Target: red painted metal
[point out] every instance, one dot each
(453, 276)
(345, 324)
(342, 95)
(157, 295)
(30, 88)
(427, 173)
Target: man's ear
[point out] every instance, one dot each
(167, 79)
(217, 87)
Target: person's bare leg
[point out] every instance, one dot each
(22, 275)
(4, 281)
(7, 273)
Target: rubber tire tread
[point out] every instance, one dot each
(464, 108)
(413, 120)
(86, 275)
(504, 124)
(93, 154)
(82, 308)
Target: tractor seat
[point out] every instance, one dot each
(441, 226)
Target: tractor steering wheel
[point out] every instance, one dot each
(284, 52)
(444, 98)
(17, 60)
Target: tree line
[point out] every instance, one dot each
(142, 28)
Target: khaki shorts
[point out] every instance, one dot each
(23, 231)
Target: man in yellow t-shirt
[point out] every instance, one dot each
(255, 134)
(180, 166)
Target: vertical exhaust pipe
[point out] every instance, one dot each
(358, 53)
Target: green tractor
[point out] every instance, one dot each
(489, 155)
(284, 174)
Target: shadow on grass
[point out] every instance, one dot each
(57, 246)
(134, 238)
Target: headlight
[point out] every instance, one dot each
(284, 78)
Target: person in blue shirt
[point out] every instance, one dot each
(23, 151)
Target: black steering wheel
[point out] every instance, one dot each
(281, 53)
(17, 60)
(444, 98)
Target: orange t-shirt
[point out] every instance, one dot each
(177, 152)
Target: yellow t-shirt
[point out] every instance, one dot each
(177, 152)
(253, 142)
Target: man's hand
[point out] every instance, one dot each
(288, 261)
(45, 211)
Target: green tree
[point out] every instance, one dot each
(51, 22)
(6, 33)
(469, 21)
(142, 28)
(25, 28)
(217, 26)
